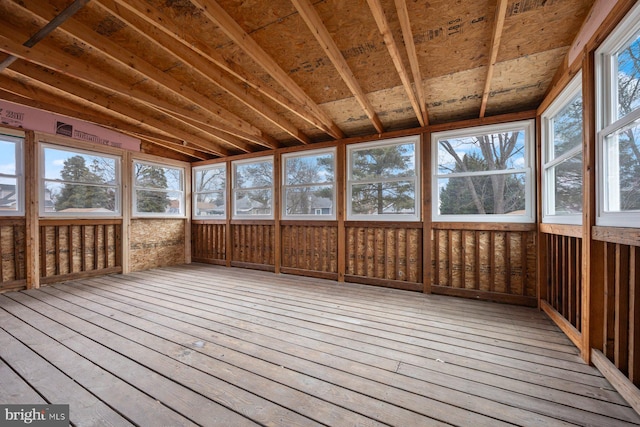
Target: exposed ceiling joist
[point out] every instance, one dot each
(394, 51)
(231, 28)
(407, 35)
(67, 13)
(501, 14)
(320, 32)
(173, 45)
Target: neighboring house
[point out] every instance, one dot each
(206, 208)
(321, 205)
(247, 206)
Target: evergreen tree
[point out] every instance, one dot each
(383, 197)
(79, 192)
(151, 177)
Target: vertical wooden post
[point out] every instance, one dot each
(127, 208)
(277, 211)
(425, 170)
(341, 183)
(31, 174)
(228, 241)
(592, 252)
(188, 212)
(541, 289)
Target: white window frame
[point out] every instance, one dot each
(235, 190)
(416, 216)
(18, 140)
(529, 216)
(135, 188)
(195, 193)
(117, 186)
(607, 123)
(314, 216)
(573, 89)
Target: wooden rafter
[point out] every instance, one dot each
(170, 43)
(394, 51)
(407, 35)
(501, 14)
(57, 20)
(230, 27)
(320, 32)
(70, 66)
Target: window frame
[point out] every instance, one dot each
(235, 189)
(19, 141)
(314, 216)
(135, 188)
(417, 180)
(607, 122)
(548, 166)
(195, 193)
(117, 213)
(529, 170)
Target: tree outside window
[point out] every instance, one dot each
(158, 189)
(80, 183)
(383, 180)
(483, 174)
(209, 195)
(253, 188)
(308, 186)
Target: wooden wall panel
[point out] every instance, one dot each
(77, 248)
(385, 254)
(156, 243)
(208, 242)
(253, 245)
(312, 247)
(493, 264)
(12, 254)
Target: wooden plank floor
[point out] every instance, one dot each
(207, 345)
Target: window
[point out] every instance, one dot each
(562, 157)
(484, 174)
(253, 188)
(11, 177)
(382, 180)
(618, 104)
(209, 196)
(158, 190)
(309, 185)
(79, 183)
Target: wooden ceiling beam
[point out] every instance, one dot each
(166, 25)
(146, 71)
(75, 68)
(498, 25)
(232, 29)
(320, 32)
(394, 51)
(201, 65)
(54, 23)
(407, 36)
(17, 91)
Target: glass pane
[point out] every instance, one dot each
(497, 151)
(383, 198)
(568, 186)
(628, 66)
(158, 177)
(312, 200)
(7, 157)
(8, 194)
(391, 161)
(252, 175)
(316, 169)
(253, 202)
(79, 167)
(485, 195)
(166, 202)
(79, 198)
(567, 128)
(212, 179)
(622, 169)
(210, 204)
